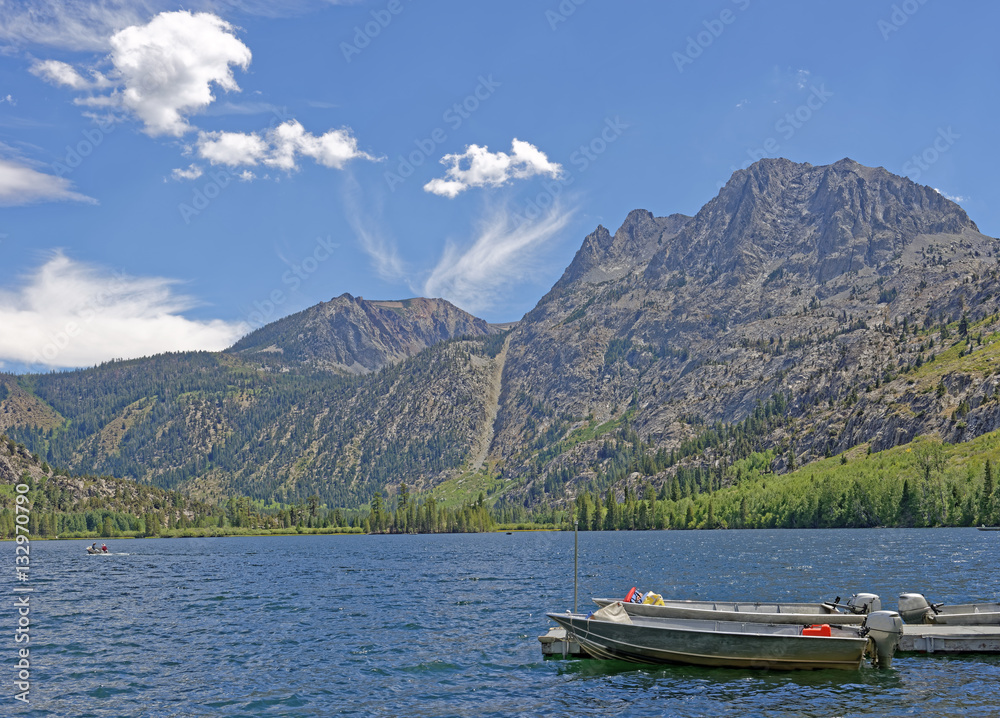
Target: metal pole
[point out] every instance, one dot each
(576, 555)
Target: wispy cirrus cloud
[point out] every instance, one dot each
(21, 185)
(70, 314)
(476, 273)
(87, 25)
(381, 249)
(70, 24)
(504, 253)
(478, 167)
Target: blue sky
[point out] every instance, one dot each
(172, 176)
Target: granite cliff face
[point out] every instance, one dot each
(819, 283)
(358, 336)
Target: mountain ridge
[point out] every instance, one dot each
(834, 301)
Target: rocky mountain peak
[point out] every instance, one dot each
(833, 218)
(357, 335)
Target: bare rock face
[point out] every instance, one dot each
(358, 336)
(832, 219)
(809, 281)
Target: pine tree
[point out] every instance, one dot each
(986, 505)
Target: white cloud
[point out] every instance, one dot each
(192, 172)
(953, 198)
(69, 314)
(280, 147)
(88, 24)
(70, 24)
(478, 167)
(8, 99)
(61, 73)
(382, 251)
(502, 255)
(170, 65)
(231, 148)
(20, 184)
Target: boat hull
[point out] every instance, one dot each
(714, 643)
(973, 614)
(788, 613)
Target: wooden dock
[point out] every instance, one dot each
(916, 639)
(554, 643)
(950, 639)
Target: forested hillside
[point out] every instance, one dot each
(215, 425)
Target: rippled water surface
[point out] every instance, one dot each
(448, 625)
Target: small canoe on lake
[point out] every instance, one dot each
(831, 612)
(641, 639)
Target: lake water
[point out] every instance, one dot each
(447, 625)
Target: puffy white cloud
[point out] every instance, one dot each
(502, 255)
(69, 314)
(478, 167)
(20, 184)
(231, 148)
(191, 172)
(170, 65)
(280, 147)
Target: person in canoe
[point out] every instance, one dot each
(104, 548)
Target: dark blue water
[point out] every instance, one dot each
(448, 625)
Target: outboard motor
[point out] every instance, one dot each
(862, 603)
(884, 629)
(914, 608)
